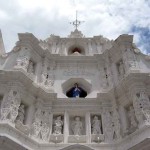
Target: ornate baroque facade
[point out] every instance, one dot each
(37, 76)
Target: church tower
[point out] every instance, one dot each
(75, 92)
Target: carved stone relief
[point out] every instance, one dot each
(31, 67)
(41, 126)
(104, 76)
(21, 113)
(108, 126)
(121, 69)
(132, 119)
(96, 125)
(48, 76)
(77, 70)
(130, 58)
(23, 59)
(10, 106)
(58, 125)
(141, 105)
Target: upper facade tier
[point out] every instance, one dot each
(56, 64)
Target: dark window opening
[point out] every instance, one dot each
(76, 50)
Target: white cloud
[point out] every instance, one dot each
(44, 17)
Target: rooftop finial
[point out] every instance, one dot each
(76, 23)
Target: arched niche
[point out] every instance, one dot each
(77, 147)
(83, 84)
(76, 49)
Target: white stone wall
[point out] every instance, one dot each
(114, 74)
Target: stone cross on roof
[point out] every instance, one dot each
(76, 23)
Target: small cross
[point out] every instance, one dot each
(76, 23)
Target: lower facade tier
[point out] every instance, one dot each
(13, 139)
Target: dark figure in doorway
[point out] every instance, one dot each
(76, 92)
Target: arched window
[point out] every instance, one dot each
(76, 50)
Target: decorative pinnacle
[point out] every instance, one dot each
(76, 23)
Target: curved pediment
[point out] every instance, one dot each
(77, 147)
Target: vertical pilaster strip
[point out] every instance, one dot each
(88, 127)
(66, 127)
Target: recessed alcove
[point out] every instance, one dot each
(83, 85)
(80, 92)
(76, 49)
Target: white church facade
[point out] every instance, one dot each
(74, 93)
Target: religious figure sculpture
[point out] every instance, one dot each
(58, 125)
(48, 75)
(36, 126)
(20, 121)
(23, 60)
(10, 106)
(45, 126)
(133, 123)
(130, 59)
(50, 80)
(77, 126)
(40, 127)
(44, 77)
(116, 123)
(21, 113)
(121, 68)
(76, 91)
(30, 68)
(104, 76)
(44, 131)
(96, 125)
(142, 107)
(108, 126)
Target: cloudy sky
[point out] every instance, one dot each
(109, 18)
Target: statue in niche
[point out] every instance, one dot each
(20, 120)
(58, 125)
(116, 123)
(77, 126)
(31, 68)
(105, 76)
(142, 106)
(44, 78)
(36, 126)
(108, 126)
(10, 106)
(50, 80)
(76, 92)
(45, 126)
(131, 114)
(21, 113)
(96, 125)
(121, 68)
(44, 131)
(23, 59)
